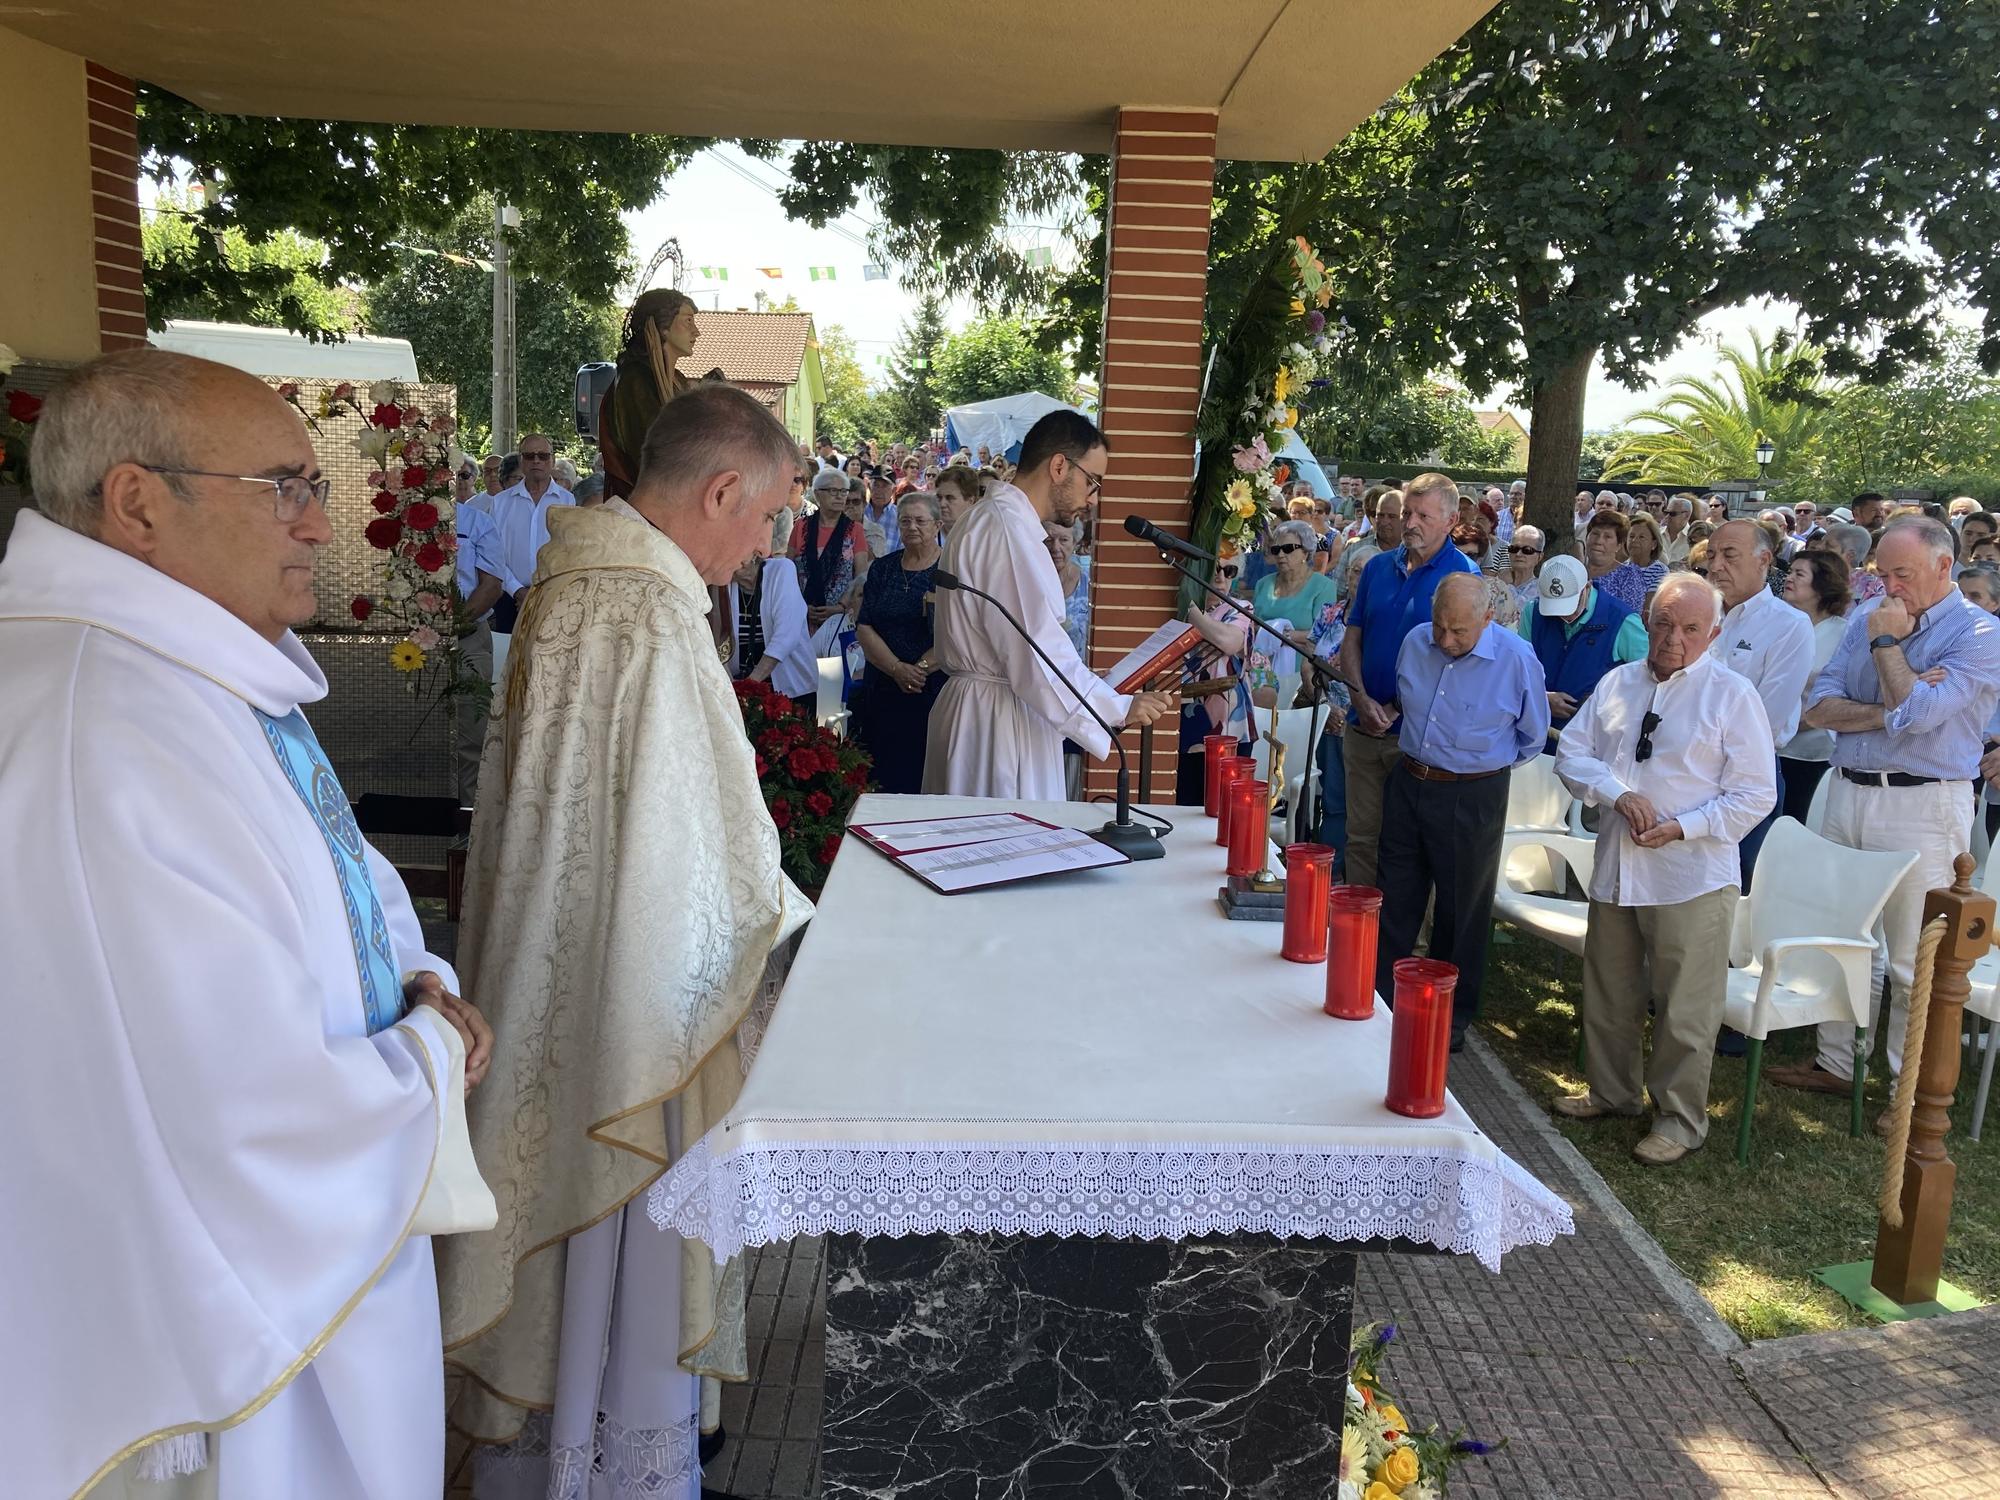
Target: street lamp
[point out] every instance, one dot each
(1766, 451)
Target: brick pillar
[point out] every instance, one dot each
(114, 188)
(1155, 288)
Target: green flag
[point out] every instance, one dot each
(715, 273)
(819, 273)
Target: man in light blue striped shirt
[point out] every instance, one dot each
(1908, 693)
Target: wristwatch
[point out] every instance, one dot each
(1883, 640)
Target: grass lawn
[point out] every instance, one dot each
(1747, 1237)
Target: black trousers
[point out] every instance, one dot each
(1442, 838)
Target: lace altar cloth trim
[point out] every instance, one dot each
(621, 1462)
(780, 1190)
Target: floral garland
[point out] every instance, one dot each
(414, 460)
(810, 777)
(1381, 1458)
(17, 424)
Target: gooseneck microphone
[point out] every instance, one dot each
(1133, 840)
(1166, 541)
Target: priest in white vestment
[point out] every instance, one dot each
(221, 1108)
(624, 896)
(999, 724)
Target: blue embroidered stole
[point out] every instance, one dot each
(305, 766)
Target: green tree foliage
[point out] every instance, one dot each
(1597, 449)
(1398, 422)
(1706, 430)
(440, 297)
(279, 282)
(1939, 420)
(851, 411)
(365, 190)
(910, 408)
(999, 357)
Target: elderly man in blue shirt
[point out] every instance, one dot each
(1908, 693)
(1391, 598)
(1474, 707)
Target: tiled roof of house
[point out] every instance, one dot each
(1488, 420)
(750, 347)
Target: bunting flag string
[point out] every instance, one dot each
(1040, 257)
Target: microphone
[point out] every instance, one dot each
(1166, 541)
(1133, 840)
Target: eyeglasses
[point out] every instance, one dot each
(1322, 510)
(1229, 570)
(1095, 481)
(1524, 551)
(1282, 548)
(527, 457)
(1646, 727)
(289, 495)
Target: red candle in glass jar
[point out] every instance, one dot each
(1420, 1041)
(1215, 749)
(1308, 880)
(1354, 918)
(1249, 824)
(1235, 768)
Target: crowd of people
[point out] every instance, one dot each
(1695, 674)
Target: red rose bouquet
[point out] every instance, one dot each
(411, 523)
(18, 413)
(810, 778)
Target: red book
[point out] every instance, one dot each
(1162, 649)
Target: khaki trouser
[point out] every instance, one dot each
(470, 712)
(1369, 761)
(1677, 956)
(1936, 822)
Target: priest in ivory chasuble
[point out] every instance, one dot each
(998, 727)
(624, 896)
(225, 1088)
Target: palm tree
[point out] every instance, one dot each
(1707, 430)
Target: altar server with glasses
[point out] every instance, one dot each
(1679, 747)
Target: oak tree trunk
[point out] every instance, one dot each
(1556, 449)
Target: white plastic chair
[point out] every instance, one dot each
(831, 713)
(1537, 801)
(1530, 895)
(1984, 1005)
(1294, 732)
(1801, 949)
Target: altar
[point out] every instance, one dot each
(1093, 1166)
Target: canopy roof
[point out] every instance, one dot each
(1290, 77)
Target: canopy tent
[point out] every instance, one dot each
(1000, 423)
(1304, 466)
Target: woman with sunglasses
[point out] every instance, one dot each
(1294, 592)
(1213, 697)
(1524, 561)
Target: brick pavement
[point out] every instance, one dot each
(1911, 1409)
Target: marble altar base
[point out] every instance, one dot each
(999, 1367)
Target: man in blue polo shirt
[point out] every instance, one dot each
(1391, 598)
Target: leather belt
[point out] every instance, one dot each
(1888, 778)
(1437, 773)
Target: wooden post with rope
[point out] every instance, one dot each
(1917, 1189)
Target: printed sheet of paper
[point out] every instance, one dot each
(914, 835)
(1049, 851)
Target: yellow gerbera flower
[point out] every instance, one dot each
(406, 656)
(1281, 384)
(1298, 307)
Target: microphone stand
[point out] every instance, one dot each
(1133, 840)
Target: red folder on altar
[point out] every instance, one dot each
(1157, 653)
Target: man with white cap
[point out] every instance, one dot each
(1579, 633)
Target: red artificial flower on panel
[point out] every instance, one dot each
(828, 847)
(288, 390)
(420, 516)
(410, 550)
(22, 407)
(430, 557)
(778, 705)
(819, 804)
(362, 607)
(384, 532)
(763, 765)
(344, 391)
(802, 763)
(385, 501)
(440, 476)
(388, 415)
(415, 477)
(781, 815)
(858, 777)
(771, 742)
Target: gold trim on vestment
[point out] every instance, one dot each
(312, 1350)
(594, 1134)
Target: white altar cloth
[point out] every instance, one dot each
(1100, 1053)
